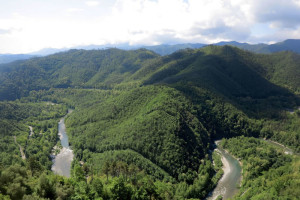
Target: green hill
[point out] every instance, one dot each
(220, 68)
(226, 69)
(75, 68)
(153, 121)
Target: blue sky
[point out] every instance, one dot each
(30, 25)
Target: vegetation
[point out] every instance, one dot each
(14, 121)
(102, 69)
(268, 172)
(143, 125)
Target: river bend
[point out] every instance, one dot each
(227, 185)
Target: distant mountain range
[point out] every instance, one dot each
(7, 58)
(287, 45)
(165, 49)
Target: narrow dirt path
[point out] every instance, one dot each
(21, 148)
(31, 131)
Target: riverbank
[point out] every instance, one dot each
(260, 180)
(226, 168)
(62, 161)
(241, 164)
(226, 186)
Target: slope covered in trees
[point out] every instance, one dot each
(226, 69)
(75, 68)
(152, 121)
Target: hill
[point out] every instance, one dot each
(287, 45)
(238, 75)
(245, 78)
(75, 68)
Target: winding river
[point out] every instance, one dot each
(227, 185)
(62, 161)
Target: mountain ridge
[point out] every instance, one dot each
(164, 49)
(66, 69)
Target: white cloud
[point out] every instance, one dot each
(92, 3)
(148, 22)
(203, 21)
(5, 31)
(74, 10)
(185, 20)
(280, 13)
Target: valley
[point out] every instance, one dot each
(116, 124)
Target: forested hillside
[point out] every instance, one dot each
(143, 125)
(75, 68)
(227, 70)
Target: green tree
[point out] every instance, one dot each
(34, 165)
(120, 191)
(16, 191)
(106, 169)
(96, 187)
(46, 188)
(78, 173)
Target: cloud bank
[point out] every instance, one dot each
(146, 22)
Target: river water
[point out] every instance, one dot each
(227, 185)
(62, 161)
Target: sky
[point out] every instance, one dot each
(30, 25)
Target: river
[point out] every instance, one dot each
(227, 185)
(62, 161)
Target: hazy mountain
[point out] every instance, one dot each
(166, 49)
(48, 51)
(287, 45)
(163, 49)
(6, 58)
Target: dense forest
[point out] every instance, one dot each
(144, 125)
